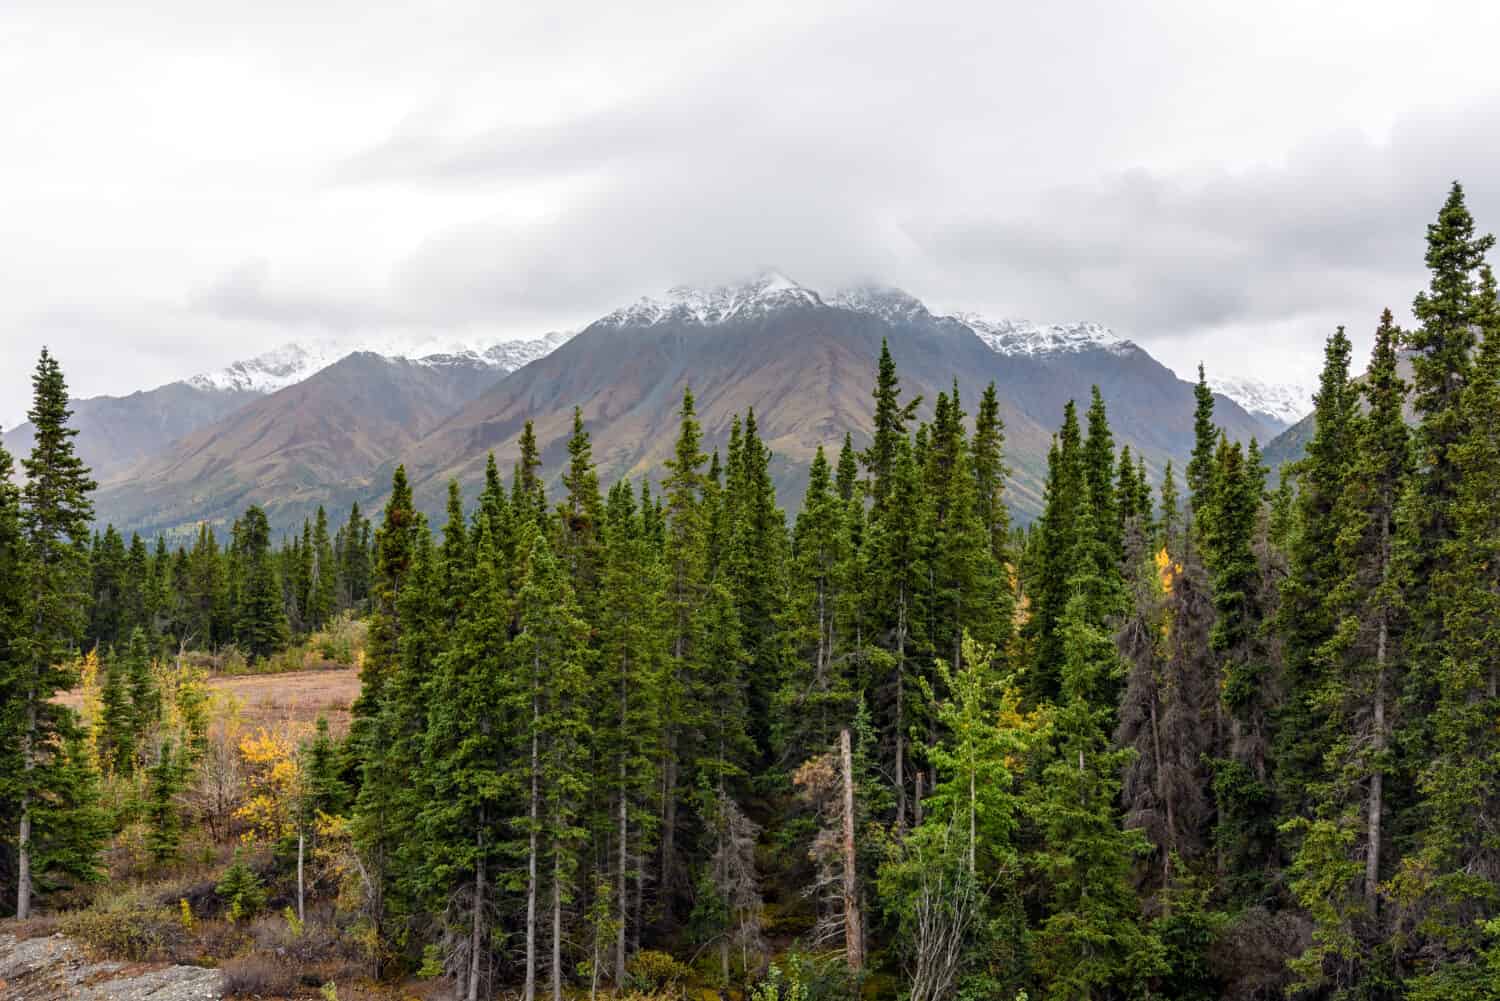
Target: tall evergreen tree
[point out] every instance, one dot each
(1352, 712)
(55, 516)
(261, 626)
(1306, 617)
(686, 552)
(323, 586)
(1059, 534)
(1200, 468)
(891, 418)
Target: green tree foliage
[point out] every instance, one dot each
(49, 778)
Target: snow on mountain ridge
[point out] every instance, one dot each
(269, 371)
(684, 304)
(890, 304)
(291, 363)
(1023, 337)
(1286, 402)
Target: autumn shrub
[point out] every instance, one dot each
(133, 934)
(657, 973)
(259, 974)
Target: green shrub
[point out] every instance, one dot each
(242, 892)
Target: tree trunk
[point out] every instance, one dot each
(557, 924)
(529, 991)
(854, 936)
(623, 901)
(917, 801)
(973, 818)
(900, 721)
(301, 880)
(1376, 804)
(1161, 794)
(477, 924)
(23, 842)
(23, 862)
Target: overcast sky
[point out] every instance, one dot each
(184, 183)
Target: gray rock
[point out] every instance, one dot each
(56, 969)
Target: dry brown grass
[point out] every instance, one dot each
(296, 696)
(270, 699)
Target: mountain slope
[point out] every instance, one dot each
(116, 432)
(313, 442)
(806, 365)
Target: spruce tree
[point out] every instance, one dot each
(261, 626)
(990, 474)
(1099, 469)
(895, 571)
(1242, 778)
(163, 819)
(323, 586)
(632, 661)
(1092, 938)
(107, 560)
(1306, 618)
(1200, 468)
(55, 516)
(816, 694)
(469, 739)
(115, 737)
(1458, 784)
(686, 558)
(581, 521)
(1058, 541)
(891, 418)
(1341, 838)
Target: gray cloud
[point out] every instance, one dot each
(1209, 183)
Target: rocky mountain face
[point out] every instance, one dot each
(803, 361)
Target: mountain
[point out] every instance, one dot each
(315, 441)
(1280, 403)
(1291, 444)
(806, 365)
(116, 432)
(291, 363)
(804, 362)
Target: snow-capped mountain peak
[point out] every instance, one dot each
(1284, 402)
(1022, 337)
(292, 363)
(270, 371)
(767, 291)
(891, 304)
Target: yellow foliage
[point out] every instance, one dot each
(93, 704)
(274, 780)
(1167, 569)
(1012, 719)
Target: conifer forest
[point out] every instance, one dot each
(1191, 734)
